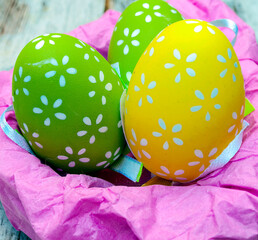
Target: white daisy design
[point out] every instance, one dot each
(229, 61)
(236, 117)
(46, 38)
(199, 26)
(69, 70)
(150, 86)
(109, 155)
(199, 154)
(149, 12)
(164, 171)
(82, 45)
(57, 104)
(87, 121)
(143, 143)
(72, 158)
(200, 95)
(179, 61)
(26, 79)
(108, 86)
(114, 155)
(25, 130)
(129, 40)
(175, 129)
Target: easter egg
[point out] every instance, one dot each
(185, 101)
(138, 25)
(66, 100)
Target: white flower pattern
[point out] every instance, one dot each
(129, 40)
(143, 143)
(235, 117)
(26, 79)
(57, 104)
(178, 59)
(71, 157)
(108, 86)
(109, 155)
(114, 156)
(175, 129)
(147, 11)
(81, 44)
(150, 86)
(41, 40)
(87, 121)
(69, 70)
(199, 27)
(223, 60)
(200, 95)
(199, 154)
(35, 135)
(164, 172)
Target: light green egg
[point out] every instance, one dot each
(138, 25)
(66, 100)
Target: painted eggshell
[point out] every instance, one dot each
(138, 25)
(185, 101)
(66, 100)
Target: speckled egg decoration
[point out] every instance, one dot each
(185, 101)
(138, 25)
(66, 100)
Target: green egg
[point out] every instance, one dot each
(138, 25)
(66, 100)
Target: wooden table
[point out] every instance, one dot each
(22, 20)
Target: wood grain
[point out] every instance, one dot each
(7, 231)
(12, 16)
(247, 10)
(120, 5)
(22, 20)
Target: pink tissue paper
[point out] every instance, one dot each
(223, 205)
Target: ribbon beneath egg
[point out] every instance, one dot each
(12, 134)
(125, 165)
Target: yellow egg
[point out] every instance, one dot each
(185, 101)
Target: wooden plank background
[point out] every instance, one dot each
(22, 20)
